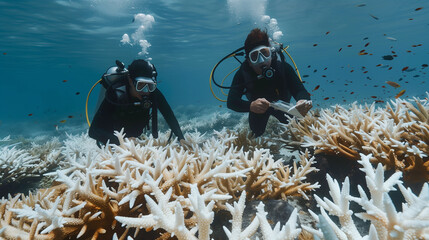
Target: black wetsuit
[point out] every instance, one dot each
(118, 111)
(284, 84)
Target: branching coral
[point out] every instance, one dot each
(138, 178)
(386, 221)
(18, 166)
(396, 136)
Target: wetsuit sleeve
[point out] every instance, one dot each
(295, 85)
(235, 101)
(168, 114)
(101, 128)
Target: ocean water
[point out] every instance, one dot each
(53, 51)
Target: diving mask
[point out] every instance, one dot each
(260, 54)
(144, 84)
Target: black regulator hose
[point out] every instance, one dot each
(233, 54)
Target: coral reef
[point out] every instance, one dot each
(386, 222)
(20, 166)
(156, 189)
(145, 182)
(397, 136)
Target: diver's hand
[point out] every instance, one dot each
(303, 106)
(186, 145)
(260, 105)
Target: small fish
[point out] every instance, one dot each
(416, 76)
(387, 57)
(376, 18)
(365, 38)
(326, 98)
(220, 106)
(4, 53)
(352, 92)
(325, 68)
(315, 70)
(408, 51)
(424, 65)
(393, 52)
(339, 50)
(391, 38)
(352, 70)
(374, 96)
(389, 68)
(349, 45)
(77, 93)
(378, 65)
(379, 101)
(395, 55)
(363, 53)
(410, 19)
(361, 5)
(410, 70)
(70, 116)
(383, 86)
(419, 8)
(324, 76)
(63, 121)
(405, 68)
(317, 87)
(327, 32)
(30, 114)
(366, 45)
(64, 80)
(314, 44)
(365, 72)
(400, 93)
(305, 76)
(309, 66)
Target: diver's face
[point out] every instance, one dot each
(134, 92)
(260, 58)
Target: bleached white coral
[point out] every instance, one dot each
(386, 221)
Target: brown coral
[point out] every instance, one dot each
(97, 188)
(397, 136)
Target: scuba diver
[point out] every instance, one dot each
(131, 99)
(264, 78)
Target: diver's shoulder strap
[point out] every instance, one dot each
(248, 78)
(154, 117)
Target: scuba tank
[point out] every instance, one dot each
(114, 74)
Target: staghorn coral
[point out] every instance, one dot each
(396, 136)
(386, 221)
(20, 166)
(126, 180)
